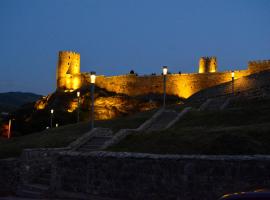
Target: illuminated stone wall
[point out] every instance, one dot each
(181, 85)
(256, 66)
(70, 78)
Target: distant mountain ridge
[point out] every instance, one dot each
(10, 101)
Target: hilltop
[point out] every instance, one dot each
(10, 101)
(243, 124)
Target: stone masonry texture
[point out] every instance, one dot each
(148, 176)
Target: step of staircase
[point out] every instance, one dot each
(98, 140)
(213, 104)
(163, 120)
(94, 143)
(37, 191)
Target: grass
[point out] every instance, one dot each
(240, 131)
(64, 135)
(131, 122)
(237, 131)
(230, 140)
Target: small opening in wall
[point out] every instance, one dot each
(68, 63)
(69, 57)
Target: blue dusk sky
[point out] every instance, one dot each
(115, 36)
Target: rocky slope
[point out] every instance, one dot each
(108, 105)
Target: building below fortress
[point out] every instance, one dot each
(69, 78)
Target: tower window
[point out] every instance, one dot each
(69, 57)
(68, 63)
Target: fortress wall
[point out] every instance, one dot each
(182, 85)
(69, 77)
(257, 66)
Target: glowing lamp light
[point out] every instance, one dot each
(165, 70)
(78, 106)
(51, 119)
(93, 77)
(232, 74)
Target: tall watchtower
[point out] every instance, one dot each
(68, 71)
(208, 64)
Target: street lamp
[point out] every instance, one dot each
(78, 108)
(165, 71)
(233, 82)
(51, 118)
(92, 79)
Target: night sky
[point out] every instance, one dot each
(115, 36)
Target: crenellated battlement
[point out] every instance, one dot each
(258, 65)
(68, 52)
(259, 62)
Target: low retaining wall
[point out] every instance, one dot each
(35, 162)
(148, 176)
(9, 175)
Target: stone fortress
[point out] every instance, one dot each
(207, 64)
(69, 78)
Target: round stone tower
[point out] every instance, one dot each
(202, 65)
(213, 64)
(68, 70)
(208, 64)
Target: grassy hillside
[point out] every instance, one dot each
(62, 136)
(244, 130)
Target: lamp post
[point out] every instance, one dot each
(78, 108)
(233, 82)
(51, 123)
(165, 71)
(92, 79)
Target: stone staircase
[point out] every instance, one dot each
(215, 104)
(161, 122)
(38, 186)
(95, 143)
(35, 191)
